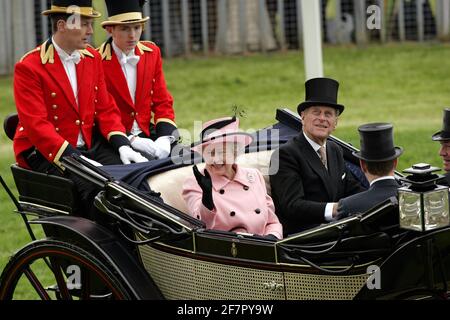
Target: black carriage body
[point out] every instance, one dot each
(158, 251)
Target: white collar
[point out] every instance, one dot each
(382, 178)
(120, 53)
(63, 54)
(314, 144)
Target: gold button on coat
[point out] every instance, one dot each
(53, 94)
(54, 107)
(77, 122)
(56, 118)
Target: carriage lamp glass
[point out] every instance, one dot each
(423, 205)
(410, 208)
(424, 211)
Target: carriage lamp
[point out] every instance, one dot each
(423, 204)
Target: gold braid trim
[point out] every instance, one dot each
(143, 48)
(105, 51)
(47, 53)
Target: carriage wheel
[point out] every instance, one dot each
(51, 269)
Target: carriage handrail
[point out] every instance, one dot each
(305, 249)
(85, 170)
(153, 207)
(130, 217)
(321, 229)
(99, 177)
(102, 207)
(361, 220)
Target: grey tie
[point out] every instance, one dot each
(323, 156)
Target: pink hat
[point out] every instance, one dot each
(222, 130)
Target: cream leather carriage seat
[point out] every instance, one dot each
(170, 183)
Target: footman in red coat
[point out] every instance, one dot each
(62, 101)
(135, 78)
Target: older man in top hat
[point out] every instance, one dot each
(378, 159)
(443, 137)
(312, 175)
(135, 78)
(62, 101)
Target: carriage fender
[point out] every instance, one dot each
(101, 241)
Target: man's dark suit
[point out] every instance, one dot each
(302, 186)
(378, 192)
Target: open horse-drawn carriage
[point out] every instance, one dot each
(152, 249)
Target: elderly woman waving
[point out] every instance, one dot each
(225, 195)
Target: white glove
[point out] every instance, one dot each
(127, 155)
(143, 145)
(95, 163)
(163, 147)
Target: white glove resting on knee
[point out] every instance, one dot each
(163, 146)
(128, 155)
(143, 145)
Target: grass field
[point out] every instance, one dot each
(406, 85)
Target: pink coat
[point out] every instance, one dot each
(241, 205)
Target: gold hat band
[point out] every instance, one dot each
(82, 11)
(74, 9)
(126, 17)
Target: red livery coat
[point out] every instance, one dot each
(49, 117)
(152, 95)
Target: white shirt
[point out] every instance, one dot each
(314, 144)
(130, 73)
(328, 214)
(71, 72)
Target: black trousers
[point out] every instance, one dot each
(100, 151)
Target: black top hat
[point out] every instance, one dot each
(321, 92)
(377, 143)
(444, 134)
(82, 7)
(124, 12)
